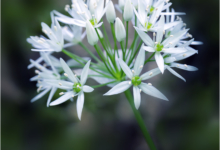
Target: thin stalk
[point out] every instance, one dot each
(136, 51)
(140, 121)
(123, 50)
(114, 37)
(126, 46)
(101, 85)
(105, 34)
(149, 58)
(88, 51)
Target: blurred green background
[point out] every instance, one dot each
(189, 121)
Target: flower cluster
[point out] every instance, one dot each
(158, 30)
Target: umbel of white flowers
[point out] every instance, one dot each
(116, 67)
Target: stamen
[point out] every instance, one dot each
(151, 74)
(65, 74)
(140, 90)
(149, 84)
(129, 82)
(55, 28)
(60, 84)
(38, 90)
(141, 66)
(44, 31)
(85, 5)
(37, 71)
(42, 39)
(45, 65)
(163, 32)
(39, 76)
(156, 42)
(177, 65)
(186, 65)
(154, 34)
(171, 35)
(184, 55)
(39, 81)
(72, 96)
(72, 6)
(170, 43)
(67, 7)
(132, 71)
(75, 75)
(167, 1)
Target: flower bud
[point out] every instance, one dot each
(128, 11)
(110, 12)
(121, 4)
(92, 37)
(119, 30)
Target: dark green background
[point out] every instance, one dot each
(189, 121)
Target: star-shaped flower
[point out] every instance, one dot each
(74, 87)
(136, 80)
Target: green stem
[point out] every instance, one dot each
(140, 121)
(88, 51)
(149, 58)
(123, 50)
(101, 85)
(126, 46)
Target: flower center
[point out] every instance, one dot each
(148, 25)
(159, 47)
(77, 87)
(136, 80)
(93, 21)
(151, 9)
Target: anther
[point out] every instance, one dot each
(65, 74)
(132, 71)
(60, 84)
(154, 34)
(75, 75)
(167, 1)
(186, 65)
(85, 5)
(38, 90)
(140, 90)
(156, 42)
(61, 93)
(39, 81)
(163, 32)
(149, 84)
(72, 96)
(171, 35)
(177, 65)
(129, 83)
(141, 66)
(170, 43)
(72, 6)
(151, 74)
(37, 71)
(45, 65)
(184, 55)
(44, 31)
(55, 28)
(67, 7)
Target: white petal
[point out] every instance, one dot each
(92, 36)
(185, 55)
(150, 90)
(150, 74)
(159, 61)
(128, 11)
(40, 59)
(137, 96)
(87, 89)
(184, 67)
(40, 95)
(125, 68)
(139, 62)
(53, 90)
(84, 73)
(160, 30)
(119, 88)
(68, 71)
(174, 50)
(146, 39)
(175, 73)
(149, 49)
(79, 104)
(62, 99)
(60, 84)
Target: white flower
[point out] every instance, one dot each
(73, 34)
(75, 87)
(81, 12)
(110, 12)
(119, 30)
(128, 11)
(148, 14)
(136, 80)
(45, 74)
(170, 62)
(91, 34)
(122, 3)
(167, 46)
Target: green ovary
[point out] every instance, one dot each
(148, 25)
(77, 87)
(159, 47)
(93, 21)
(152, 9)
(136, 80)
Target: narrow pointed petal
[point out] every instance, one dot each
(139, 62)
(174, 50)
(119, 88)
(185, 55)
(125, 68)
(146, 39)
(84, 73)
(92, 36)
(62, 99)
(152, 91)
(175, 73)
(60, 84)
(160, 30)
(159, 61)
(87, 89)
(119, 30)
(79, 104)
(137, 96)
(150, 74)
(68, 71)
(53, 90)
(128, 11)
(184, 67)
(40, 95)
(148, 48)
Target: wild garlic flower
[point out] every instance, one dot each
(92, 36)
(119, 30)
(136, 80)
(93, 11)
(170, 62)
(75, 86)
(73, 35)
(148, 14)
(45, 74)
(110, 12)
(121, 4)
(158, 47)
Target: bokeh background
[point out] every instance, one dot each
(189, 121)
